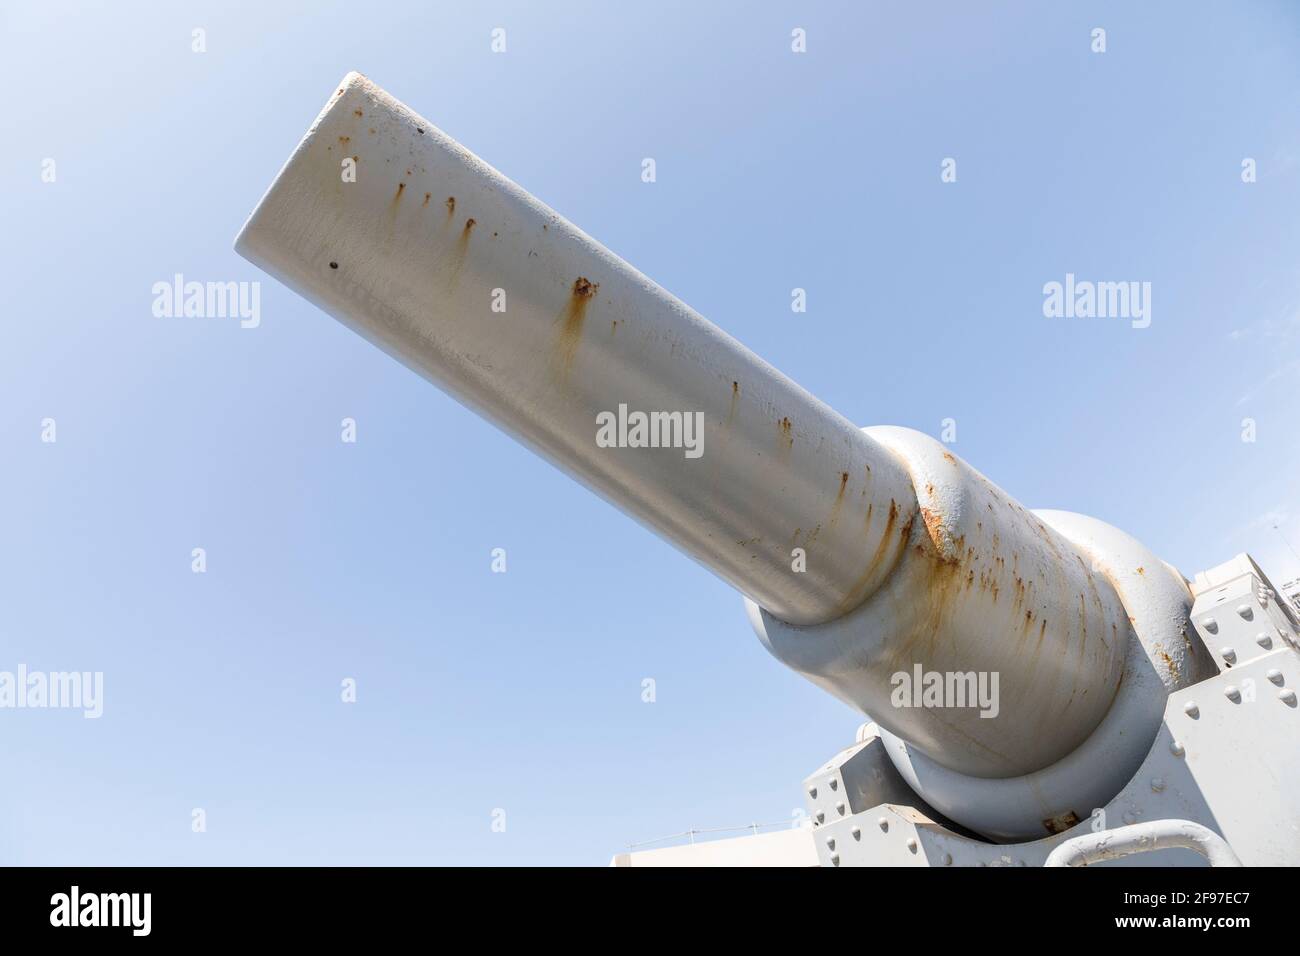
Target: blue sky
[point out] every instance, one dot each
(522, 691)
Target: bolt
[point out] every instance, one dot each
(1264, 641)
(911, 844)
(857, 833)
(835, 784)
(1176, 748)
(1232, 693)
(947, 859)
(830, 844)
(1130, 817)
(1157, 785)
(821, 816)
(1275, 676)
(812, 792)
(1191, 710)
(835, 859)
(1229, 655)
(883, 823)
(1211, 625)
(1287, 696)
(839, 808)
(1246, 611)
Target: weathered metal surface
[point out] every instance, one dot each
(1162, 656)
(1143, 838)
(984, 588)
(413, 255)
(1221, 758)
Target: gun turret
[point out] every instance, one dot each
(863, 554)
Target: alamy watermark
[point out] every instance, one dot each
(66, 690)
(938, 689)
(1075, 299)
(208, 300)
(128, 910)
(651, 430)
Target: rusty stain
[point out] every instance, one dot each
(372, 131)
(344, 140)
(426, 198)
(857, 591)
(839, 500)
(1169, 661)
(357, 112)
(787, 432)
(1062, 822)
(1142, 571)
(948, 456)
(398, 195)
(451, 206)
(458, 256)
(572, 318)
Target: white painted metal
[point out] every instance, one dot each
(1221, 758)
(984, 586)
(1161, 656)
(905, 556)
(1143, 838)
(414, 254)
(913, 559)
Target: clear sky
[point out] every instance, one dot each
(371, 561)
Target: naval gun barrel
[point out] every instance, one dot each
(408, 238)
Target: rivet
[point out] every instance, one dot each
(947, 859)
(830, 844)
(1246, 611)
(1232, 693)
(812, 792)
(1287, 696)
(1228, 654)
(1157, 784)
(1211, 625)
(839, 808)
(883, 823)
(911, 844)
(821, 816)
(1130, 817)
(1176, 748)
(1191, 710)
(1264, 641)
(1275, 676)
(857, 833)
(835, 784)
(835, 859)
